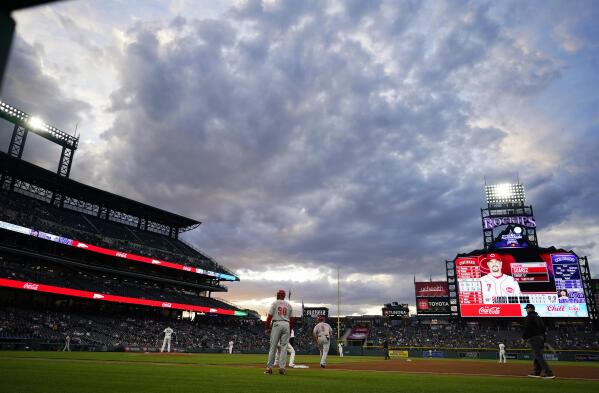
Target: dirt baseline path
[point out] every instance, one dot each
(459, 367)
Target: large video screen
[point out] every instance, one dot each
(501, 284)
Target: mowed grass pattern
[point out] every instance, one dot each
(32, 372)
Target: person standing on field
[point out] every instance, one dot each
(340, 347)
(231, 347)
(322, 335)
(534, 331)
(67, 344)
(502, 358)
(279, 316)
(168, 332)
(386, 349)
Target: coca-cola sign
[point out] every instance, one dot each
(33, 287)
(489, 310)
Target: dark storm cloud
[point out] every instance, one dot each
(282, 128)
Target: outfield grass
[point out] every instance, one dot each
(32, 372)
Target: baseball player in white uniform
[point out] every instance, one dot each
(496, 283)
(279, 316)
(340, 347)
(67, 344)
(322, 334)
(502, 358)
(290, 351)
(168, 332)
(231, 347)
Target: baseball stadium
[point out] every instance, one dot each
(90, 279)
(102, 293)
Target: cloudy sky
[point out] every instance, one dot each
(311, 136)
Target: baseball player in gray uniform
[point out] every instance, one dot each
(279, 316)
(322, 334)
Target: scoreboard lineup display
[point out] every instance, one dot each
(501, 284)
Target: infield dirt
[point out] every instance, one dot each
(456, 367)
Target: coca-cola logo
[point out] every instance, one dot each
(187, 268)
(573, 307)
(488, 310)
(554, 308)
(168, 305)
(121, 254)
(31, 286)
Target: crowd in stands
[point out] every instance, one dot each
(207, 334)
(32, 213)
(76, 278)
(461, 335)
(145, 333)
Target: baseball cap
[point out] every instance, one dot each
(487, 257)
(531, 306)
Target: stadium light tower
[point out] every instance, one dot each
(24, 123)
(505, 206)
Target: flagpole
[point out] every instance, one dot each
(338, 312)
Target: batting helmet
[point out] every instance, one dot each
(280, 294)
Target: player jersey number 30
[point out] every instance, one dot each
(282, 311)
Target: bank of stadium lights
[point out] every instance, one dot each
(505, 193)
(34, 123)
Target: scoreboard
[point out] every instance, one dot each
(501, 284)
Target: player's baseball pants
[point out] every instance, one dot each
(502, 357)
(167, 341)
(291, 353)
(279, 333)
(323, 346)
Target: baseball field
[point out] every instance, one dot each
(32, 372)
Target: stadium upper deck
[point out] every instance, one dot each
(62, 239)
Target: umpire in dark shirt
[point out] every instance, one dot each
(386, 348)
(534, 331)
